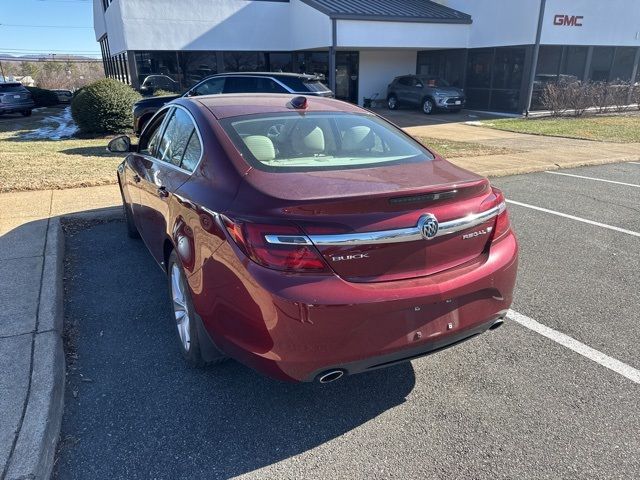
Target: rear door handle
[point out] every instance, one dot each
(162, 192)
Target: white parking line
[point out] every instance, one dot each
(578, 347)
(593, 178)
(635, 163)
(578, 219)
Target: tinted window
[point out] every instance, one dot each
(244, 62)
(240, 85)
(574, 61)
(623, 63)
(302, 85)
(321, 141)
(150, 137)
(479, 68)
(175, 138)
(11, 88)
(210, 87)
(406, 81)
(267, 85)
(601, 63)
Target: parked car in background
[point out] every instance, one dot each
(260, 82)
(64, 96)
(425, 92)
(14, 97)
(151, 83)
(309, 238)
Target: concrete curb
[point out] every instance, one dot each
(552, 166)
(34, 453)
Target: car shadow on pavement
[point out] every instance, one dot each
(134, 409)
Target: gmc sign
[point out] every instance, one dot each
(568, 20)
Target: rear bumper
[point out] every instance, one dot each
(293, 327)
(16, 107)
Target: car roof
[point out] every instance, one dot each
(269, 74)
(11, 84)
(233, 105)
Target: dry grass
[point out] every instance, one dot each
(605, 128)
(27, 164)
(453, 148)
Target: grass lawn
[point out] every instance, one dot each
(610, 128)
(453, 149)
(37, 164)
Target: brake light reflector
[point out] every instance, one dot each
(251, 238)
(503, 224)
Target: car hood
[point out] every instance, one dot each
(448, 90)
(155, 101)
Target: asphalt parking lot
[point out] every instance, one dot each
(524, 401)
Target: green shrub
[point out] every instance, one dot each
(43, 97)
(162, 93)
(104, 106)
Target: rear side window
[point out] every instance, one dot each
(12, 88)
(240, 85)
(180, 144)
(406, 81)
(301, 85)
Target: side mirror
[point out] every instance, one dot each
(121, 144)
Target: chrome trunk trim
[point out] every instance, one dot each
(409, 234)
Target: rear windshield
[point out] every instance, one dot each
(301, 85)
(297, 142)
(11, 88)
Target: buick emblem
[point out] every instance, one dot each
(428, 226)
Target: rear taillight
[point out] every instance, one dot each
(299, 257)
(502, 225)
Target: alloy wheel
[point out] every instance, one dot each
(180, 306)
(392, 103)
(427, 106)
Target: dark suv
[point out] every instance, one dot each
(426, 92)
(15, 98)
(249, 82)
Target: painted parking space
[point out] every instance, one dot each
(508, 404)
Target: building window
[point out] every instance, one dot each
(244, 62)
(507, 69)
(479, 68)
(548, 62)
(446, 64)
(573, 63)
(162, 65)
(623, 64)
(196, 66)
(314, 63)
(601, 64)
(280, 62)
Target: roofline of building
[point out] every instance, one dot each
(386, 18)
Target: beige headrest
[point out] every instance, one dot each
(357, 138)
(307, 138)
(260, 147)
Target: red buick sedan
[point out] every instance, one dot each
(308, 238)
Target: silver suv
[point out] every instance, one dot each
(426, 92)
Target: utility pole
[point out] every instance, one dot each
(534, 57)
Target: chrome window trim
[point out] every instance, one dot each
(409, 234)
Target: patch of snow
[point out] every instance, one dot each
(477, 123)
(56, 127)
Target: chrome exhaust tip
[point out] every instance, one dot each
(330, 376)
(497, 324)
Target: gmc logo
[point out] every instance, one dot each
(568, 20)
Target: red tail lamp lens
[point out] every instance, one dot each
(503, 224)
(251, 238)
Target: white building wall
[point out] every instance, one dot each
(500, 22)
(379, 67)
(374, 34)
(206, 25)
(99, 26)
(309, 28)
(610, 22)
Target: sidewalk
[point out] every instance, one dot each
(31, 355)
(535, 153)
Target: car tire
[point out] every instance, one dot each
(26, 113)
(392, 102)
(428, 106)
(185, 317)
(132, 230)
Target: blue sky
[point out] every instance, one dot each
(32, 26)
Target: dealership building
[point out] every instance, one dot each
(487, 47)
